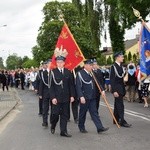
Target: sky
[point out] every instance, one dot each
(23, 19)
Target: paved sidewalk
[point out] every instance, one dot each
(8, 100)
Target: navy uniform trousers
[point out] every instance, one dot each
(44, 91)
(60, 111)
(45, 108)
(119, 109)
(91, 106)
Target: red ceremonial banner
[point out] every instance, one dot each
(67, 41)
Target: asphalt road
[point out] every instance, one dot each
(23, 131)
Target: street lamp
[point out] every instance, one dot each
(4, 25)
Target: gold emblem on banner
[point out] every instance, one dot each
(64, 35)
(77, 54)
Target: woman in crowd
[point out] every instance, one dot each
(4, 80)
(17, 78)
(107, 79)
(145, 89)
(130, 84)
(138, 85)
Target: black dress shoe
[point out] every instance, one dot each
(83, 131)
(45, 124)
(115, 122)
(76, 121)
(40, 114)
(52, 130)
(65, 134)
(126, 125)
(102, 130)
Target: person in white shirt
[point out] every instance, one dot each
(33, 75)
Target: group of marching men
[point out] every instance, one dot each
(59, 87)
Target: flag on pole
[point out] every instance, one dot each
(145, 50)
(67, 42)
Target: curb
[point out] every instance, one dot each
(17, 101)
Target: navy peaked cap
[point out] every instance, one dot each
(88, 61)
(118, 54)
(60, 58)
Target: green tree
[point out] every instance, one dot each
(92, 18)
(109, 60)
(24, 59)
(29, 63)
(116, 34)
(135, 59)
(13, 61)
(51, 27)
(125, 58)
(129, 56)
(1, 63)
(120, 16)
(117, 13)
(101, 59)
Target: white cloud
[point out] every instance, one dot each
(23, 19)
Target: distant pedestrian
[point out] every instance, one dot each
(131, 83)
(17, 78)
(4, 80)
(22, 79)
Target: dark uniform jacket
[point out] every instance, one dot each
(38, 79)
(117, 83)
(62, 85)
(45, 83)
(85, 85)
(100, 79)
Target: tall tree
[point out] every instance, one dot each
(135, 60)
(29, 63)
(1, 63)
(109, 60)
(117, 13)
(92, 16)
(13, 61)
(120, 17)
(129, 56)
(51, 27)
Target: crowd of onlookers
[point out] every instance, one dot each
(137, 90)
(19, 78)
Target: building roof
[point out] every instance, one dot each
(128, 44)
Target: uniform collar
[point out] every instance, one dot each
(47, 70)
(61, 69)
(119, 64)
(87, 72)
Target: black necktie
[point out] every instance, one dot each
(61, 71)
